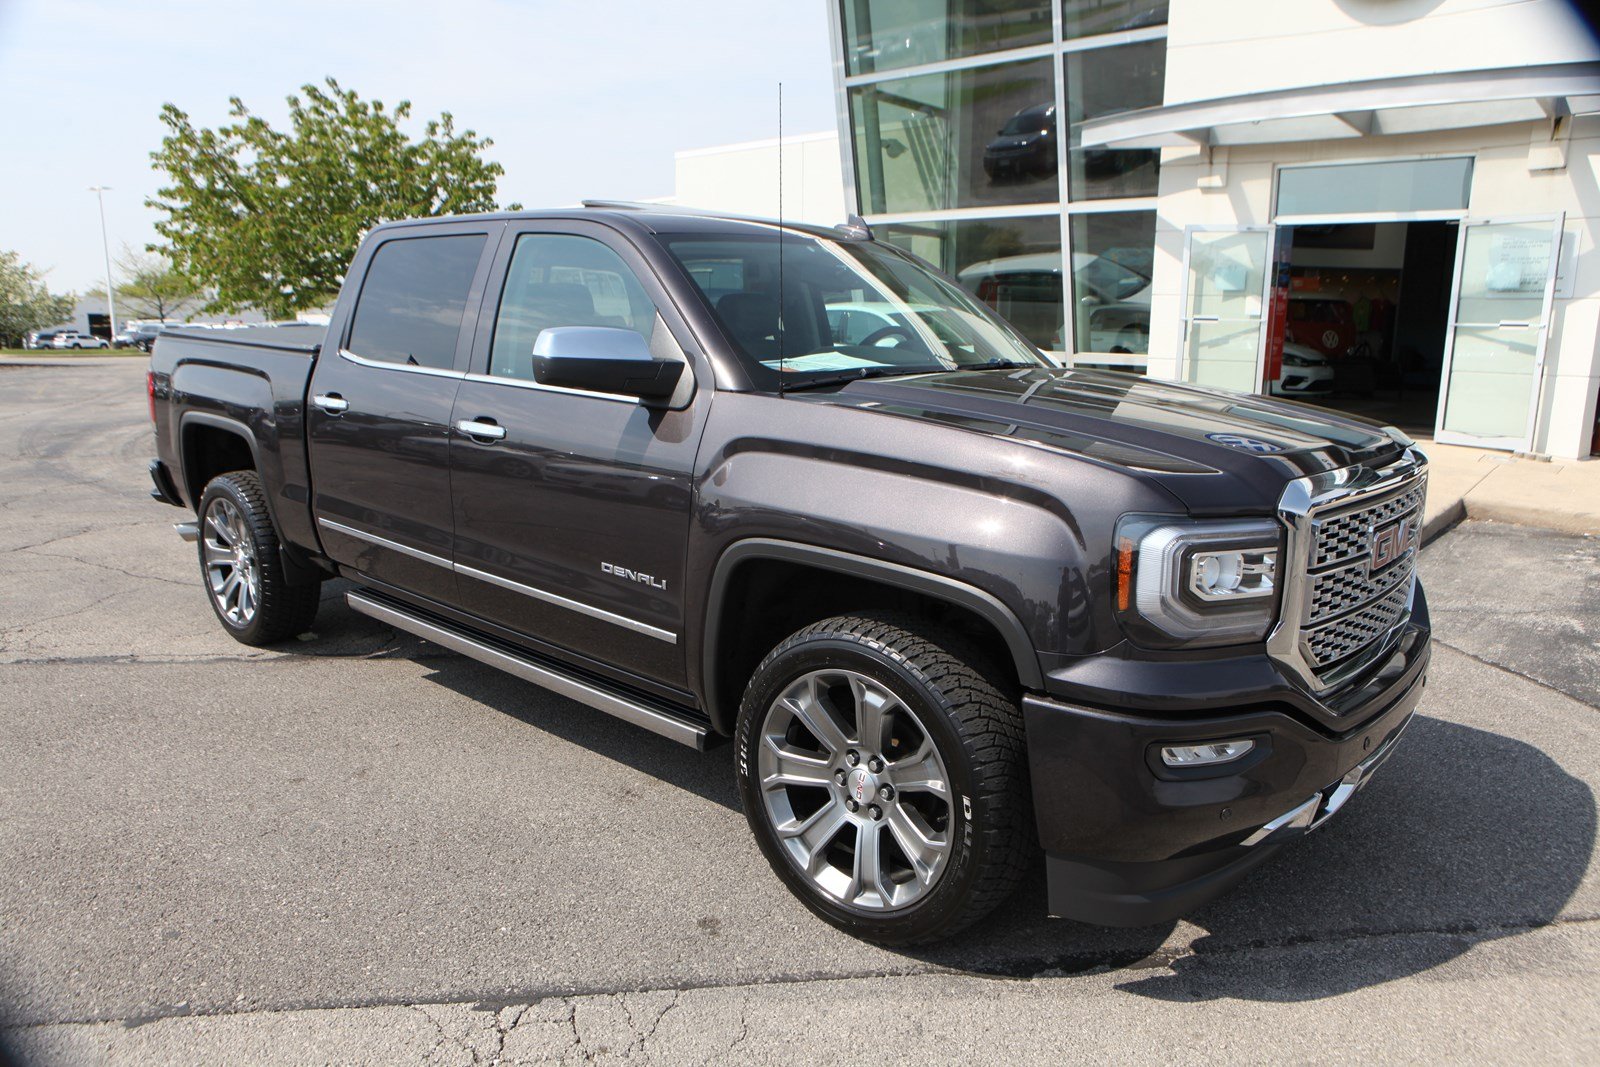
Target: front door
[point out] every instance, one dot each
(378, 416)
(1225, 291)
(1494, 360)
(572, 508)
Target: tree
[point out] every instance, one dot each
(270, 219)
(151, 288)
(25, 303)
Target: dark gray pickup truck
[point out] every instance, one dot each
(956, 606)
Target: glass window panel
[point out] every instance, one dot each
(1112, 255)
(412, 299)
(1227, 276)
(1401, 185)
(1085, 18)
(1504, 269)
(882, 35)
(563, 280)
(1012, 265)
(964, 139)
(1105, 81)
(1491, 382)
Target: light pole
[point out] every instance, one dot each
(105, 246)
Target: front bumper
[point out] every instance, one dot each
(1130, 841)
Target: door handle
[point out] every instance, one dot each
(332, 403)
(481, 429)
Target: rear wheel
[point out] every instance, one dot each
(884, 776)
(239, 563)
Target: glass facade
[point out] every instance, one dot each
(961, 157)
(882, 35)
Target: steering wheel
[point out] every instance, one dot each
(877, 337)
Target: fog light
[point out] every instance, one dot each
(1207, 754)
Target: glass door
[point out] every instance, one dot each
(1494, 362)
(1225, 290)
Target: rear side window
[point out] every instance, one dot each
(413, 298)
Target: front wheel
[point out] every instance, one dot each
(884, 775)
(239, 563)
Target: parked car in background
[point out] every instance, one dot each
(74, 339)
(1304, 372)
(1026, 146)
(953, 605)
(141, 336)
(42, 338)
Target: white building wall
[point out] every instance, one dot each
(742, 179)
(1227, 47)
(1219, 48)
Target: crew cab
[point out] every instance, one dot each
(955, 606)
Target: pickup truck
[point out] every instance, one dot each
(955, 606)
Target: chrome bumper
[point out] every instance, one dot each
(1307, 816)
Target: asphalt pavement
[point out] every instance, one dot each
(361, 848)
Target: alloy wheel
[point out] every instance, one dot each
(855, 790)
(229, 556)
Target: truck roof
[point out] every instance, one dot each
(653, 218)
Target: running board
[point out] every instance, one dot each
(685, 733)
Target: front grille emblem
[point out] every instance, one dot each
(1390, 543)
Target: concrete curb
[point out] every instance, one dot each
(1441, 523)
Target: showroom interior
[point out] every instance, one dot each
(1211, 193)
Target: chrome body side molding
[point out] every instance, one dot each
(685, 733)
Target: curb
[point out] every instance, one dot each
(1441, 523)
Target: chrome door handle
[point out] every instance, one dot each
(487, 431)
(332, 403)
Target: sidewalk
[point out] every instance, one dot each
(1474, 483)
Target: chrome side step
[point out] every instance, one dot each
(684, 733)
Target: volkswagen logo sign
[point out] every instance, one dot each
(1247, 444)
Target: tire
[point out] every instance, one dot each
(240, 567)
(942, 713)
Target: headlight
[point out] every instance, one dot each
(1294, 359)
(1197, 583)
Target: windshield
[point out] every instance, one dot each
(848, 306)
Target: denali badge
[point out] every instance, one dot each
(633, 576)
(1390, 543)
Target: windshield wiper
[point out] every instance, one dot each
(857, 375)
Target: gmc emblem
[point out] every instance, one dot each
(1390, 543)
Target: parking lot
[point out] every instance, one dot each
(362, 847)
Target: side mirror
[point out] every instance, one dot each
(603, 359)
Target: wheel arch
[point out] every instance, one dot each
(732, 640)
(210, 445)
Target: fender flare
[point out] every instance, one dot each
(1024, 657)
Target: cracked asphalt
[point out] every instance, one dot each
(361, 848)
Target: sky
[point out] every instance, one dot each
(585, 99)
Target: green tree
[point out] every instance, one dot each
(151, 288)
(270, 218)
(25, 303)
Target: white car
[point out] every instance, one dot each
(1304, 372)
(71, 339)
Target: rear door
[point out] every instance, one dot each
(378, 418)
(572, 519)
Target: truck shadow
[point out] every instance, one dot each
(1466, 837)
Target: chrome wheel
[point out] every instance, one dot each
(229, 556)
(855, 790)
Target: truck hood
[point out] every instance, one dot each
(1216, 451)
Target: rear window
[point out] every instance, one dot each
(413, 298)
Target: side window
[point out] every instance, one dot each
(412, 300)
(558, 279)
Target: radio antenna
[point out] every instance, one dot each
(780, 240)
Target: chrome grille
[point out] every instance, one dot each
(1349, 608)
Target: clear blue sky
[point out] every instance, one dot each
(582, 99)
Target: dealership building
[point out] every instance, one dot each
(1387, 205)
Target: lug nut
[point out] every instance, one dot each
(852, 757)
(851, 805)
(886, 792)
(875, 811)
(874, 764)
(839, 776)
